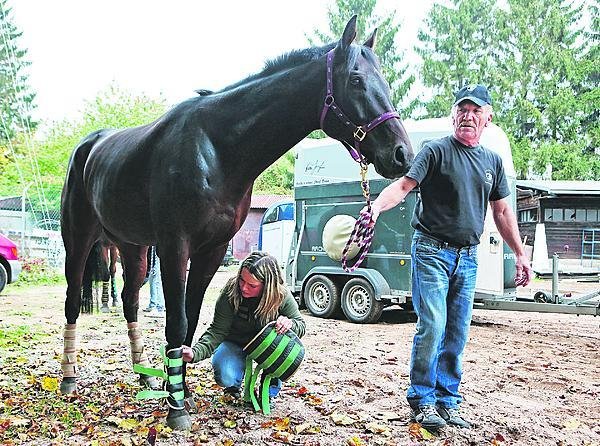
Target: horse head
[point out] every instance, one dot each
(363, 117)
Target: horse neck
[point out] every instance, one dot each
(268, 116)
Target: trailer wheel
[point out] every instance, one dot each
(321, 296)
(358, 302)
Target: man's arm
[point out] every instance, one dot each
(506, 222)
(391, 196)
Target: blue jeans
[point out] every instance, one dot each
(443, 289)
(229, 366)
(157, 298)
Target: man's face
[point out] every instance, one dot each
(469, 120)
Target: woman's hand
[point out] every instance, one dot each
(283, 324)
(188, 353)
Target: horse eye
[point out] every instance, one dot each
(356, 81)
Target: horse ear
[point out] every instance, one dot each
(349, 34)
(371, 41)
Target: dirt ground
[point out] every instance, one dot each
(529, 379)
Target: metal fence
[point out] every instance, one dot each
(32, 221)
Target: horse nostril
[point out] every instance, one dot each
(399, 156)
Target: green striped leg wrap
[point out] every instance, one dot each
(251, 378)
(173, 376)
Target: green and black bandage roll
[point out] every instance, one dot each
(277, 355)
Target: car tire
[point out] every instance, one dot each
(358, 302)
(3, 277)
(321, 296)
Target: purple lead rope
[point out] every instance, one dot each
(363, 232)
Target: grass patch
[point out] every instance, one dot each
(22, 336)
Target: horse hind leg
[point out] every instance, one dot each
(74, 266)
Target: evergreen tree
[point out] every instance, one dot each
(17, 98)
(456, 46)
(394, 71)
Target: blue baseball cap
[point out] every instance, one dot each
(474, 93)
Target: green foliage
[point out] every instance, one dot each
(18, 336)
(45, 162)
(37, 272)
(394, 71)
(542, 67)
(17, 98)
(455, 48)
(278, 178)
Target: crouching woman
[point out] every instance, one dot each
(256, 296)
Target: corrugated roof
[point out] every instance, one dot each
(264, 201)
(562, 187)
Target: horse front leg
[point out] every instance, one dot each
(134, 268)
(203, 267)
(173, 256)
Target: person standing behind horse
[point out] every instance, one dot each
(156, 306)
(256, 296)
(457, 177)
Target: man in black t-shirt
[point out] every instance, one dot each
(457, 178)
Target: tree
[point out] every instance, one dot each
(542, 69)
(393, 70)
(278, 178)
(112, 108)
(546, 89)
(17, 98)
(455, 49)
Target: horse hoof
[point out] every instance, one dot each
(104, 309)
(179, 420)
(150, 382)
(68, 386)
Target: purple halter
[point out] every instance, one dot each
(359, 132)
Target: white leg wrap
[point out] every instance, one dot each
(136, 341)
(69, 359)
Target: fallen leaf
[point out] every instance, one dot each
(418, 432)
(307, 428)
(284, 437)
(354, 441)
(229, 424)
(302, 391)
(342, 419)
(376, 428)
(572, 424)
(50, 384)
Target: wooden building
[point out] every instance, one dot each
(570, 212)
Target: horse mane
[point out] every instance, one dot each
(283, 62)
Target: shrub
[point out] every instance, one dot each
(37, 272)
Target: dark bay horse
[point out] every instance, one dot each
(183, 182)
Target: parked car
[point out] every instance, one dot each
(10, 266)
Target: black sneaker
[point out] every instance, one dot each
(452, 416)
(428, 417)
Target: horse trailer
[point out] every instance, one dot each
(327, 184)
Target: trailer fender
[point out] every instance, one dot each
(375, 278)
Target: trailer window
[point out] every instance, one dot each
(271, 215)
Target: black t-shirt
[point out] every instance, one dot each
(456, 182)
